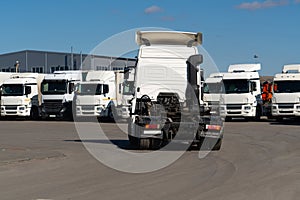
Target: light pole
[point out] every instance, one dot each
(17, 64)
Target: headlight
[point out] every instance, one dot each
(298, 107)
(77, 101)
(247, 107)
(274, 107)
(21, 108)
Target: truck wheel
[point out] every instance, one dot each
(218, 145)
(144, 143)
(34, 113)
(134, 141)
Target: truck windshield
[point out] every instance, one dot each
(286, 86)
(236, 86)
(54, 87)
(12, 90)
(89, 89)
(128, 87)
(213, 88)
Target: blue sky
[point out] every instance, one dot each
(233, 31)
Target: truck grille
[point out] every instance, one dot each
(286, 105)
(53, 106)
(234, 106)
(87, 107)
(286, 112)
(11, 107)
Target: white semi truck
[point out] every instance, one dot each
(286, 92)
(166, 103)
(242, 92)
(212, 91)
(21, 96)
(58, 93)
(125, 93)
(95, 93)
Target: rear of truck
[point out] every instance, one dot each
(166, 104)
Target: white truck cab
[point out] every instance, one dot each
(58, 93)
(286, 92)
(94, 94)
(126, 91)
(213, 88)
(20, 95)
(242, 92)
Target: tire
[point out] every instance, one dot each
(144, 143)
(34, 113)
(218, 145)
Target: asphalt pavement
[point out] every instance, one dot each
(47, 160)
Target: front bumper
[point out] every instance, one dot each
(241, 111)
(278, 111)
(89, 111)
(15, 110)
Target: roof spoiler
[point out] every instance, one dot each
(244, 67)
(293, 67)
(168, 37)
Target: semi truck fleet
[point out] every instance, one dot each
(166, 103)
(164, 97)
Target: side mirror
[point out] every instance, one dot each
(71, 87)
(195, 60)
(253, 86)
(126, 73)
(105, 89)
(27, 90)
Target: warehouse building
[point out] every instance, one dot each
(48, 62)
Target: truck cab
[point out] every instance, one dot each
(94, 95)
(212, 91)
(126, 89)
(20, 95)
(58, 93)
(242, 92)
(286, 92)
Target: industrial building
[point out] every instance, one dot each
(48, 62)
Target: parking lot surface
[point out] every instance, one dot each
(47, 160)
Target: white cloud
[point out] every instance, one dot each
(261, 5)
(152, 9)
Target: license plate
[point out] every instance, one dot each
(52, 116)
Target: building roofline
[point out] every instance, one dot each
(69, 53)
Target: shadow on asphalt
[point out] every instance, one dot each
(125, 145)
(293, 122)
